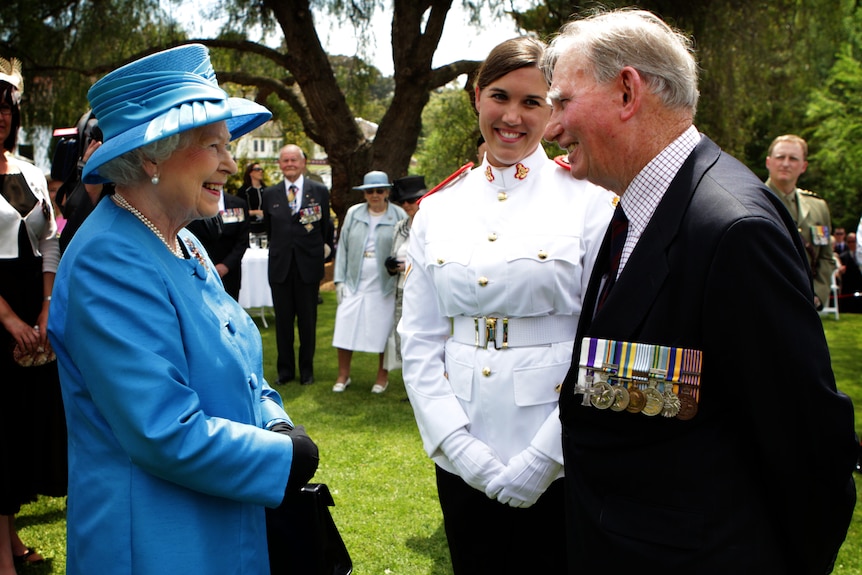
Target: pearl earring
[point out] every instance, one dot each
(155, 180)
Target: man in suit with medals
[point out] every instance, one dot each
(225, 237)
(297, 223)
(700, 261)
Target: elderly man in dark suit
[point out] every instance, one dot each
(297, 223)
(755, 475)
(225, 237)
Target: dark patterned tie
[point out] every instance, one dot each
(291, 198)
(619, 228)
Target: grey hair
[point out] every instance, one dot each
(613, 40)
(128, 169)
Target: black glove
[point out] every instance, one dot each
(391, 265)
(305, 456)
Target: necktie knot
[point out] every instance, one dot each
(291, 197)
(619, 228)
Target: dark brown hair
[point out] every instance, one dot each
(508, 56)
(246, 176)
(9, 95)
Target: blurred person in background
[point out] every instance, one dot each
(252, 192)
(364, 290)
(786, 161)
(225, 237)
(32, 430)
(300, 232)
(406, 193)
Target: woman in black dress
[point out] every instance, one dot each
(252, 193)
(32, 426)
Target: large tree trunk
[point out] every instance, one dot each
(330, 121)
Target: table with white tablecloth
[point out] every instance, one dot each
(255, 290)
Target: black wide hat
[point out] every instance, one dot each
(408, 188)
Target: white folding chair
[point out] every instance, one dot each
(833, 288)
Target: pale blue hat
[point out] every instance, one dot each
(374, 179)
(161, 95)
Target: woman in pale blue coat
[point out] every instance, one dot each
(176, 442)
(365, 291)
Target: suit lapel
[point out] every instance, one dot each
(647, 268)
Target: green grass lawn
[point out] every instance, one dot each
(382, 482)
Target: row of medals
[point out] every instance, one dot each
(626, 395)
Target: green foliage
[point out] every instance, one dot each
(368, 92)
(450, 130)
(767, 68)
(835, 112)
(383, 483)
(65, 46)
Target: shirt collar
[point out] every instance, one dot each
(514, 175)
(647, 189)
(297, 183)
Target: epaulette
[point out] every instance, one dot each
(459, 173)
(563, 162)
(809, 193)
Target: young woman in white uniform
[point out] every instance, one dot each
(499, 261)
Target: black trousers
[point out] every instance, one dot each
(486, 536)
(295, 300)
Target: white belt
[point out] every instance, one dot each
(368, 254)
(505, 332)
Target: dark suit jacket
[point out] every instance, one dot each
(291, 239)
(225, 238)
(760, 480)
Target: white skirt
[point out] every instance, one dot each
(364, 318)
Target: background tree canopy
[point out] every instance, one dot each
(768, 68)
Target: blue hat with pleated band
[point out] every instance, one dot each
(373, 180)
(161, 95)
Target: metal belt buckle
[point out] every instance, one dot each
(491, 328)
(491, 331)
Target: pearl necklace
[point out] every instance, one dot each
(124, 203)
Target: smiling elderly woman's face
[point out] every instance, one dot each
(192, 179)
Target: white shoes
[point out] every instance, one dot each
(378, 389)
(341, 386)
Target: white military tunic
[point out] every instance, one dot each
(513, 243)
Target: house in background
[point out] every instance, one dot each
(263, 144)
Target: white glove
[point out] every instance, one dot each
(526, 477)
(339, 292)
(474, 460)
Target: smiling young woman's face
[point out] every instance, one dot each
(513, 113)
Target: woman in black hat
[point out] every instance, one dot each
(406, 192)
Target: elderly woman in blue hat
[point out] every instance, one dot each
(176, 442)
(365, 291)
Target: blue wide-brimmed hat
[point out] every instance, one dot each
(373, 180)
(161, 95)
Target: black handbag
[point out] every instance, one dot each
(302, 537)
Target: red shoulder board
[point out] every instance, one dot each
(460, 173)
(563, 161)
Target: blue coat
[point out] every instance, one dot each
(161, 371)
